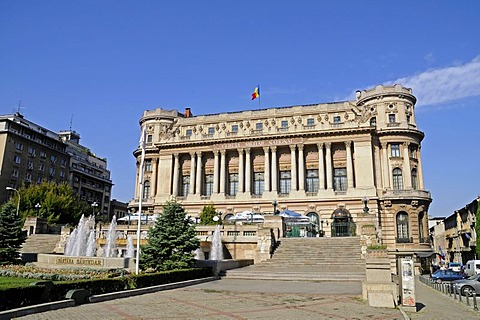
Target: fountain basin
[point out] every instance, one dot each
(61, 261)
(222, 265)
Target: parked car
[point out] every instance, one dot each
(472, 267)
(455, 266)
(447, 275)
(468, 286)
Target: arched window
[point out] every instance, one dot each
(146, 189)
(403, 235)
(397, 179)
(414, 179)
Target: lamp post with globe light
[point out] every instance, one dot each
(18, 193)
(37, 207)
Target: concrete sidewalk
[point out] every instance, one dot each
(432, 304)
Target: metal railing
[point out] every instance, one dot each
(448, 289)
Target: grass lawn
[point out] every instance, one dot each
(9, 282)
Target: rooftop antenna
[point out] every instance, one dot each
(71, 121)
(20, 106)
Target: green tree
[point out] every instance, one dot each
(58, 203)
(171, 241)
(207, 215)
(11, 235)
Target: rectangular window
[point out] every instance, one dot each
(312, 180)
(30, 165)
(15, 173)
(51, 171)
(336, 119)
(43, 155)
(285, 182)
(149, 138)
(185, 185)
(391, 118)
(208, 184)
(412, 150)
(62, 174)
(395, 149)
(340, 179)
(18, 146)
(63, 162)
(310, 122)
(233, 184)
(41, 167)
(235, 128)
(17, 159)
(211, 130)
(148, 165)
(259, 126)
(31, 151)
(284, 124)
(258, 183)
(28, 177)
(53, 159)
(188, 133)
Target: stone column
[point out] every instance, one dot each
(386, 172)
(222, 171)
(198, 179)
(267, 168)
(274, 169)
(378, 167)
(176, 169)
(293, 164)
(328, 158)
(154, 177)
(215, 171)
(241, 172)
(348, 146)
(192, 173)
(407, 173)
(419, 170)
(321, 168)
(248, 171)
(301, 169)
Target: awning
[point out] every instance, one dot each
(425, 254)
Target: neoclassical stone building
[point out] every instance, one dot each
(353, 167)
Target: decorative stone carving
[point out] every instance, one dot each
(387, 203)
(414, 203)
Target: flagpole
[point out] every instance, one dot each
(142, 160)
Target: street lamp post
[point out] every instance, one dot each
(37, 207)
(18, 193)
(94, 205)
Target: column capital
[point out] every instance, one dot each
(273, 148)
(176, 155)
(192, 154)
(216, 152)
(320, 145)
(292, 148)
(240, 151)
(328, 145)
(300, 146)
(247, 150)
(223, 152)
(266, 149)
(384, 145)
(199, 154)
(348, 144)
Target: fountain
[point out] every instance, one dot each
(110, 248)
(216, 251)
(81, 242)
(130, 248)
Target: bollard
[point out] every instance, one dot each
(454, 294)
(475, 306)
(467, 297)
(459, 296)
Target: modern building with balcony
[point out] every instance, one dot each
(350, 166)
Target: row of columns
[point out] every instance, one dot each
(406, 168)
(270, 176)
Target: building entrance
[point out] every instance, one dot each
(343, 225)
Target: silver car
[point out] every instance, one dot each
(469, 286)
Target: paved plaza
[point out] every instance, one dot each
(258, 299)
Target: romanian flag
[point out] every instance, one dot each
(256, 93)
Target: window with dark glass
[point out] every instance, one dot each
(310, 122)
(259, 126)
(284, 124)
(149, 138)
(391, 118)
(285, 182)
(235, 128)
(312, 180)
(336, 119)
(146, 189)
(395, 147)
(397, 179)
(208, 184)
(414, 179)
(211, 130)
(340, 179)
(232, 184)
(188, 132)
(258, 183)
(412, 150)
(185, 185)
(373, 121)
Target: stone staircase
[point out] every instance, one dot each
(309, 259)
(40, 243)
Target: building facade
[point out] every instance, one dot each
(30, 153)
(351, 166)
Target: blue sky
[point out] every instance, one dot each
(102, 63)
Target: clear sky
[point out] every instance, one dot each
(102, 63)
